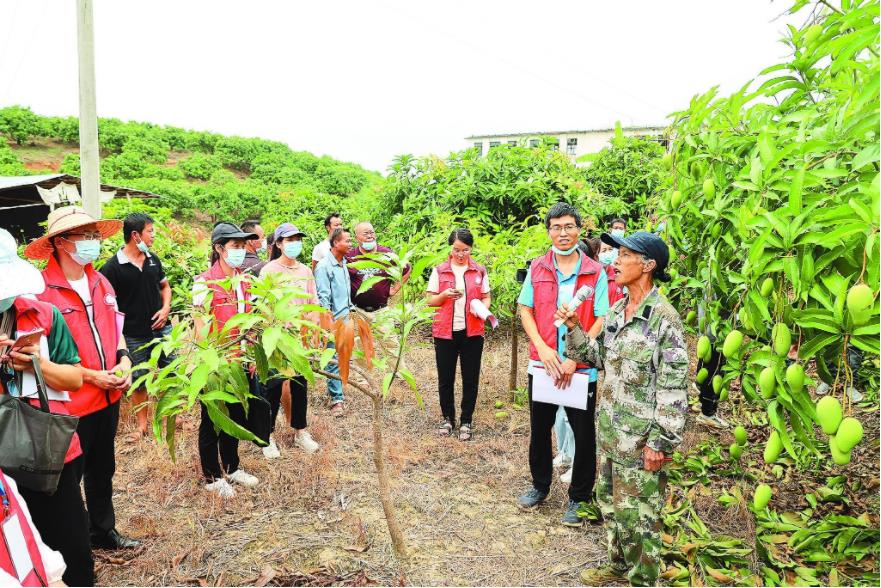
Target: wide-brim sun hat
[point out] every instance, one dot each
(63, 220)
(287, 230)
(19, 277)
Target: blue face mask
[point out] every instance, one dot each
(142, 247)
(6, 303)
(292, 249)
(235, 257)
(262, 248)
(559, 251)
(617, 233)
(368, 245)
(86, 251)
(607, 257)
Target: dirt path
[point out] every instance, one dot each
(317, 520)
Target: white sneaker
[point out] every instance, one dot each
(242, 477)
(561, 460)
(566, 477)
(271, 451)
(304, 441)
(714, 422)
(222, 488)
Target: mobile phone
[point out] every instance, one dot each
(28, 339)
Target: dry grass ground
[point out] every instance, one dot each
(316, 519)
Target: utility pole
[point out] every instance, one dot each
(90, 180)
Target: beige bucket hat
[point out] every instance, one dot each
(63, 220)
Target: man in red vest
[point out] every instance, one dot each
(553, 280)
(87, 302)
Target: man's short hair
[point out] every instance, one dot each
(616, 221)
(561, 209)
(330, 217)
(337, 234)
(249, 225)
(135, 221)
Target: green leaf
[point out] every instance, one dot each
(270, 339)
(222, 421)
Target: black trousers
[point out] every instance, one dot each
(469, 351)
(299, 401)
(212, 443)
(584, 467)
(63, 524)
(97, 433)
(708, 397)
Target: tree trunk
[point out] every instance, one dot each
(512, 375)
(385, 495)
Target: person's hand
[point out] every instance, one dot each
(652, 460)
(569, 318)
(106, 380)
(567, 368)
(160, 318)
(452, 294)
(394, 289)
(21, 357)
(551, 361)
(124, 367)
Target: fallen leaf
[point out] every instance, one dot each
(265, 577)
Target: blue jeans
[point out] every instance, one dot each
(565, 437)
(334, 387)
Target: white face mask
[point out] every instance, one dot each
(559, 251)
(368, 245)
(607, 257)
(262, 247)
(617, 233)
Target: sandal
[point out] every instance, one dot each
(445, 428)
(465, 432)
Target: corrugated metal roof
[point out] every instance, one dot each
(52, 180)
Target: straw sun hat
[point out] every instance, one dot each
(63, 220)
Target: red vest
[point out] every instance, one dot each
(616, 292)
(443, 318)
(545, 289)
(30, 315)
(10, 507)
(224, 303)
(89, 398)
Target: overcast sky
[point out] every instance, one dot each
(363, 81)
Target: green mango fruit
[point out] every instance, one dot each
(849, 434)
(723, 395)
(767, 382)
(501, 414)
(773, 447)
(716, 230)
(838, 456)
(717, 384)
(499, 404)
(667, 160)
(767, 287)
(782, 339)
(703, 348)
(795, 377)
(740, 435)
(732, 343)
(735, 451)
(859, 303)
(701, 376)
(689, 318)
(675, 199)
(761, 496)
(829, 414)
(709, 189)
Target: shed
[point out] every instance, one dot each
(25, 201)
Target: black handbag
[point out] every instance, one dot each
(34, 441)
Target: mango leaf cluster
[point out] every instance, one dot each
(773, 211)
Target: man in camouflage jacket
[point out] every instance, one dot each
(642, 407)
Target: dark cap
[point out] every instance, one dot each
(223, 231)
(287, 230)
(649, 245)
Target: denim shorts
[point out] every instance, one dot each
(140, 349)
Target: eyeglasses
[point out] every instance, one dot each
(82, 236)
(557, 229)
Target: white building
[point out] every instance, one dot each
(576, 144)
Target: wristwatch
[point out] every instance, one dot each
(120, 353)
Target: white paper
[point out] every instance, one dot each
(479, 309)
(29, 380)
(575, 395)
(18, 548)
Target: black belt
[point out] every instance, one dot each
(372, 308)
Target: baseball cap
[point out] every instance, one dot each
(224, 230)
(649, 244)
(19, 277)
(287, 230)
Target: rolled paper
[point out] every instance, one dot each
(479, 309)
